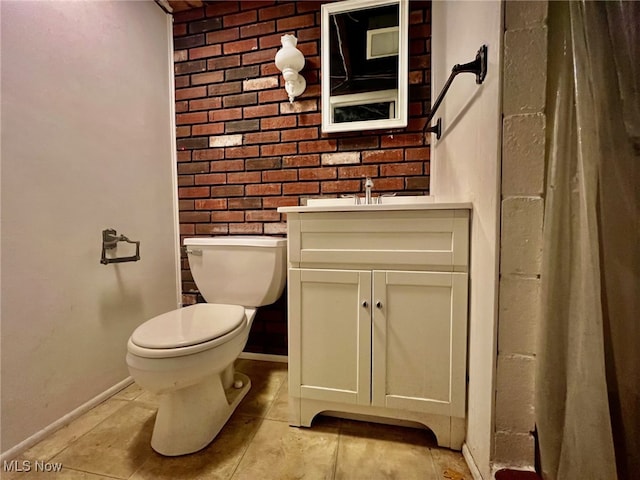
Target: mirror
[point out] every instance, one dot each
(364, 65)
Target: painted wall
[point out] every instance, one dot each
(87, 144)
(465, 166)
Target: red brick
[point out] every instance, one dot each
(244, 203)
(317, 146)
(279, 11)
(242, 152)
(193, 167)
(227, 165)
(240, 46)
(277, 122)
(406, 169)
(379, 156)
(211, 204)
(195, 92)
(222, 36)
(193, 192)
(260, 56)
(261, 137)
(275, 202)
(208, 154)
(301, 161)
(299, 134)
(184, 156)
(278, 149)
(184, 131)
(244, 177)
(205, 103)
(211, 229)
(264, 189)
(358, 171)
(262, 215)
(211, 179)
(226, 114)
(260, 111)
(340, 186)
(301, 187)
(194, 217)
(293, 23)
(324, 173)
(227, 191)
(241, 18)
(401, 140)
(182, 106)
(245, 228)
(420, 154)
(309, 119)
(208, 129)
(228, 216)
(389, 184)
(203, 52)
(258, 29)
(209, 77)
(279, 176)
(191, 118)
(276, 95)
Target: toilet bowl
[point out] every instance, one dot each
(186, 356)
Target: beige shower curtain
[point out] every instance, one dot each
(588, 378)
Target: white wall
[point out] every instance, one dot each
(465, 166)
(87, 144)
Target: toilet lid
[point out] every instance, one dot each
(188, 326)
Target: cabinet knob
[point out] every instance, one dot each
(365, 304)
(379, 304)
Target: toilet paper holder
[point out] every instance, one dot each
(110, 239)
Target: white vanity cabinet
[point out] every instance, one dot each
(378, 315)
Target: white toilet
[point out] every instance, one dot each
(187, 355)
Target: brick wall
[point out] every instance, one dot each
(244, 150)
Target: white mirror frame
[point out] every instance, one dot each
(402, 105)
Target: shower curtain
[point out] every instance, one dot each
(588, 369)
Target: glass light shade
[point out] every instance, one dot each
(289, 60)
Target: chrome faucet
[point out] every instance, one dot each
(368, 185)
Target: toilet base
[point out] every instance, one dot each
(190, 418)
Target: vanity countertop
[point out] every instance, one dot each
(423, 202)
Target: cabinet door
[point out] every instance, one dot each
(419, 341)
(330, 335)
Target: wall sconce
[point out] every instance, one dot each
(290, 61)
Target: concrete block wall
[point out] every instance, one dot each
(523, 174)
(244, 150)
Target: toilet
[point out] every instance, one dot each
(187, 355)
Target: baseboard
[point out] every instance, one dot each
(471, 463)
(61, 422)
(265, 357)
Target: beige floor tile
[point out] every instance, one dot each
(279, 409)
(266, 380)
(117, 446)
(369, 451)
(281, 452)
(59, 440)
(149, 399)
(216, 462)
(131, 392)
(449, 464)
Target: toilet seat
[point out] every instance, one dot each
(187, 330)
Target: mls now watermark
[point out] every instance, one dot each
(31, 466)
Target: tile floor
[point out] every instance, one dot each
(112, 442)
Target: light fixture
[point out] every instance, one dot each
(290, 61)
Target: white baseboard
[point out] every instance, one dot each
(265, 357)
(471, 463)
(61, 422)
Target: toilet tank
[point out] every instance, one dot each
(250, 271)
